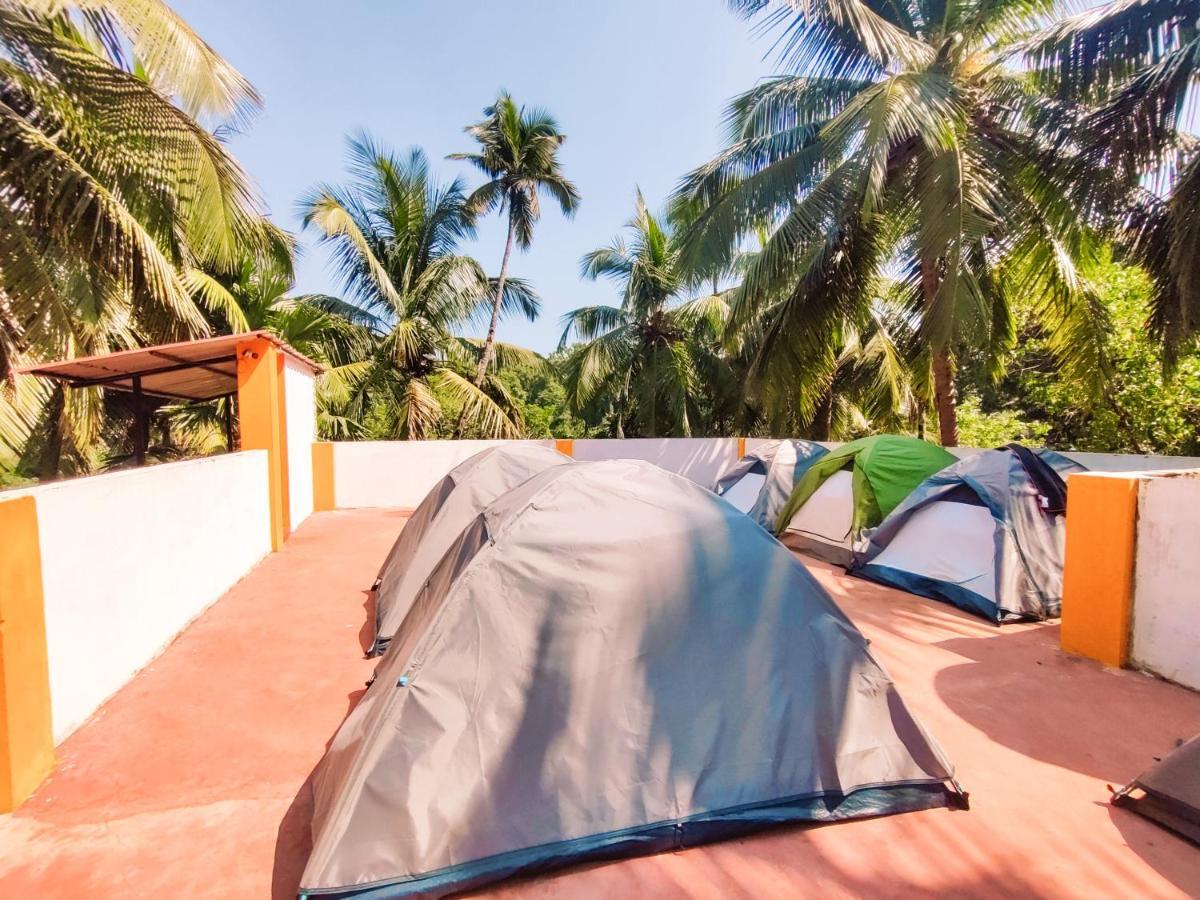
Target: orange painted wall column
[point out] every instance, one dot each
(1101, 547)
(565, 446)
(26, 735)
(262, 423)
(324, 488)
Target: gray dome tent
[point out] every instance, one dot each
(760, 483)
(454, 501)
(985, 534)
(610, 661)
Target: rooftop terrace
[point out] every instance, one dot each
(192, 779)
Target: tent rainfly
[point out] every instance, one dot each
(610, 661)
(760, 483)
(1169, 791)
(853, 488)
(985, 534)
(446, 510)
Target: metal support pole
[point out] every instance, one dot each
(141, 430)
(229, 423)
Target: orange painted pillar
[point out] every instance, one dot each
(565, 446)
(1097, 605)
(262, 423)
(324, 489)
(26, 733)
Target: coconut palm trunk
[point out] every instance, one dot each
(489, 345)
(944, 395)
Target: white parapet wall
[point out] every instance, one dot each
(396, 473)
(1165, 636)
(300, 413)
(130, 558)
(399, 473)
(700, 459)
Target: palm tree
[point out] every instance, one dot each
(1139, 64)
(645, 358)
(518, 152)
(910, 145)
(111, 189)
(395, 231)
(108, 190)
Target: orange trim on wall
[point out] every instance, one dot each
(324, 490)
(565, 446)
(262, 423)
(741, 447)
(26, 730)
(1101, 547)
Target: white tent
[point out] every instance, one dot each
(760, 483)
(824, 523)
(985, 534)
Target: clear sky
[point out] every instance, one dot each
(638, 86)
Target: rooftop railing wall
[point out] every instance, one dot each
(128, 559)
(97, 575)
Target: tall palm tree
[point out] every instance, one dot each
(1139, 63)
(108, 189)
(518, 152)
(645, 358)
(112, 187)
(912, 143)
(395, 232)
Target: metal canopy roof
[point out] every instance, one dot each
(202, 369)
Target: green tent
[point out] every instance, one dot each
(879, 472)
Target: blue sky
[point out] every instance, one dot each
(637, 85)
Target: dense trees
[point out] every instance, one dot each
(649, 364)
(113, 189)
(976, 221)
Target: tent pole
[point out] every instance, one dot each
(140, 431)
(229, 448)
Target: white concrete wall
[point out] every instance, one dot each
(400, 473)
(396, 473)
(300, 415)
(129, 558)
(1166, 599)
(700, 459)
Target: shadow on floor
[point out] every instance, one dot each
(293, 840)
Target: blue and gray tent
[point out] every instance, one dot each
(609, 661)
(760, 483)
(985, 534)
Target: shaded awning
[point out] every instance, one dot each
(202, 369)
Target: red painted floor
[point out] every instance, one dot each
(192, 779)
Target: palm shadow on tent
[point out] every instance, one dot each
(545, 706)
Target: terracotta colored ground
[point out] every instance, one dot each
(192, 780)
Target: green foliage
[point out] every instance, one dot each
(977, 428)
(542, 399)
(395, 231)
(113, 187)
(1144, 408)
(652, 366)
(908, 144)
